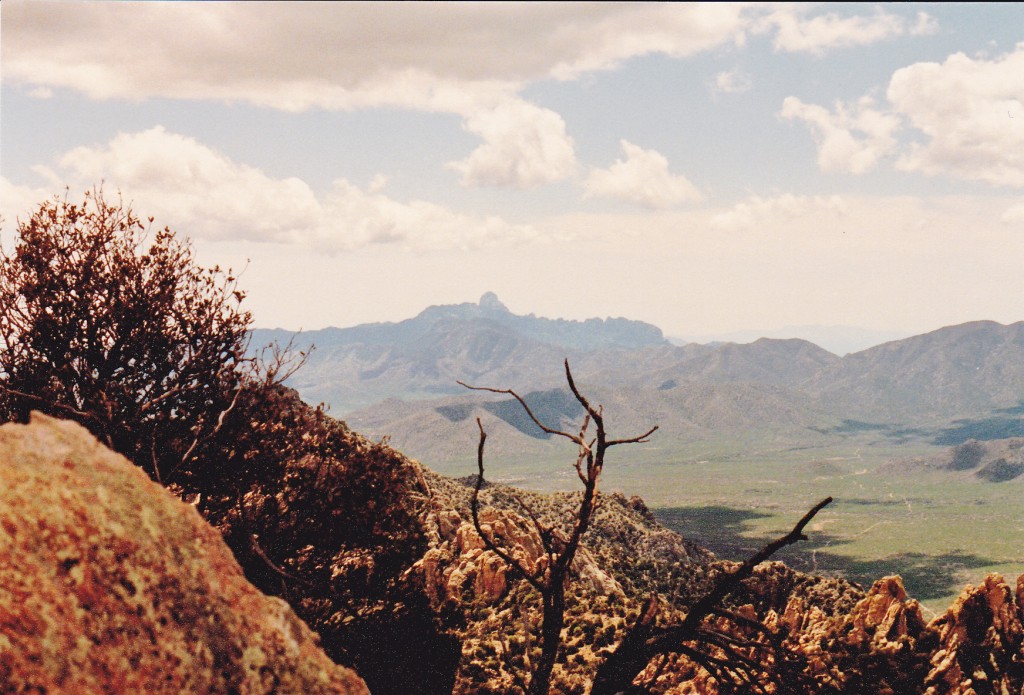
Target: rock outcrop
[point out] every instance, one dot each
(980, 641)
(883, 644)
(879, 644)
(108, 584)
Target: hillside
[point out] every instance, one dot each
(952, 372)
(425, 355)
(399, 380)
(404, 590)
(995, 461)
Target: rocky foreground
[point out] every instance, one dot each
(107, 584)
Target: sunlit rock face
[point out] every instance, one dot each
(981, 641)
(110, 584)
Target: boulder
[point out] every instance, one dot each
(109, 584)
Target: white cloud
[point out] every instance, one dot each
(849, 139)
(642, 178)
(1014, 214)
(342, 55)
(769, 213)
(204, 194)
(798, 33)
(18, 201)
(524, 146)
(378, 183)
(733, 82)
(469, 59)
(440, 56)
(925, 25)
(972, 112)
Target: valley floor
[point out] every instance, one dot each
(938, 529)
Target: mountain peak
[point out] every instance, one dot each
(490, 303)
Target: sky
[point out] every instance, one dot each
(708, 168)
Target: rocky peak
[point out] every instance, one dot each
(490, 304)
(981, 641)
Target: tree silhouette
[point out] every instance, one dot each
(551, 577)
(108, 323)
(733, 656)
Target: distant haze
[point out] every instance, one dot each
(706, 168)
(839, 340)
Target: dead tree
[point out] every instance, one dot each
(550, 578)
(694, 635)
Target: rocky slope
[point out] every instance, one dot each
(379, 556)
(473, 624)
(108, 584)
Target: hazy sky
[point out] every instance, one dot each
(707, 168)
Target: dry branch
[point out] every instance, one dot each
(645, 641)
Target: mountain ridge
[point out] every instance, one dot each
(400, 379)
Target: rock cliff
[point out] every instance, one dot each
(108, 584)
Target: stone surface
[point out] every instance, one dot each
(981, 642)
(108, 584)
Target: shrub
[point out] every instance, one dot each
(107, 323)
(967, 455)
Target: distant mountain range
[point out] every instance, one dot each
(399, 379)
(840, 340)
(424, 356)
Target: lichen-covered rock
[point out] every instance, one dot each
(981, 643)
(110, 585)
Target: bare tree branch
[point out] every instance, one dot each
(522, 402)
(643, 642)
(59, 406)
(551, 584)
(489, 543)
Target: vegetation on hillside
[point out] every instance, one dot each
(104, 321)
(493, 590)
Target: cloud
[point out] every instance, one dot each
(345, 55)
(795, 32)
(469, 59)
(1014, 214)
(849, 139)
(971, 111)
(17, 203)
(968, 114)
(17, 200)
(926, 25)
(205, 195)
(642, 178)
(455, 57)
(524, 146)
(466, 59)
(733, 82)
(765, 213)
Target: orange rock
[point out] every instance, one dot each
(885, 618)
(981, 642)
(110, 584)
